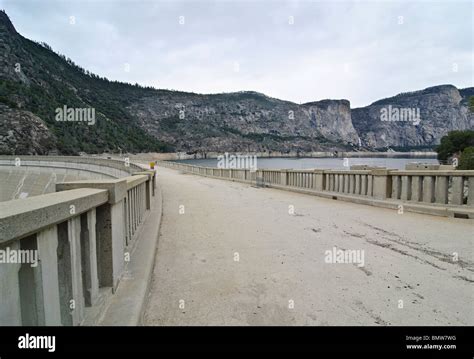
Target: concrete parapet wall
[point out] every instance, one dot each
(120, 164)
(276, 154)
(26, 176)
(28, 181)
(81, 237)
(437, 192)
(111, 168)
(19, 218)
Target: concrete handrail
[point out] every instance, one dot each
(435, 189)
(113, 167)
(81, 235)
(20, 218)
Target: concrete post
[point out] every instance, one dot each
(470, 195)
(319, 177)
(416, 184)
(364, 183)
(357, 184)
(428, 189)
(406, 188)
(351, 183)
(381, 184)
(396, 187)
(129, 217)
(10, 310)
(153, 183)
(370, 184)
(457, 194)
(252, 176)
(136, 206)
(346, 183)
(109, 233)
(441, 189)
(47, 241)
(141, 198)
(89, 257)
(132, 210)
(148, 195)
(77, 306)
(283, 177)
(140, 201)
(31, 288)
(137, 203)
(110, 238)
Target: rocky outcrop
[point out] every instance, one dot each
(21, 132)
(332, 119)
(245, 121)
(441, 109)
(35, 82)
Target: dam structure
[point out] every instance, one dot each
(120, 243)
(420, 188)
(82, 226)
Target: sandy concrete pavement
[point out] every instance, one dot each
(232, 254)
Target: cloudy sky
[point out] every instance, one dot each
(294, 50)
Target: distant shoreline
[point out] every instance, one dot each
(340, 154)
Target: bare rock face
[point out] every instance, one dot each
(245, 121)
(21, 132)
(439, 109)
(35, 81)
(332, 119)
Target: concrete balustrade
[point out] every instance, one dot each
(80, 235)
(444, 192)
(112, 168)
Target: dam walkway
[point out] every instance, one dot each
(231, 253)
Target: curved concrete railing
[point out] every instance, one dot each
(437, 192)
(111, 167)
(63, 253)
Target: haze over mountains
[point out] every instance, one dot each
(35, 81)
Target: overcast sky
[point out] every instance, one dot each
(294, 50)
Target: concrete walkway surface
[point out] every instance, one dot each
(232, 254)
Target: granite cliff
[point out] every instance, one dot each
(35, 82)
(441, 109)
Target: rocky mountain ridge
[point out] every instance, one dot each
(35, 81)
(441, 109)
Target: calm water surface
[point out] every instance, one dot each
(321, 163)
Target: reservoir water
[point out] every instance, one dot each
(321, 163)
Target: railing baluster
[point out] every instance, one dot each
(457, 195)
